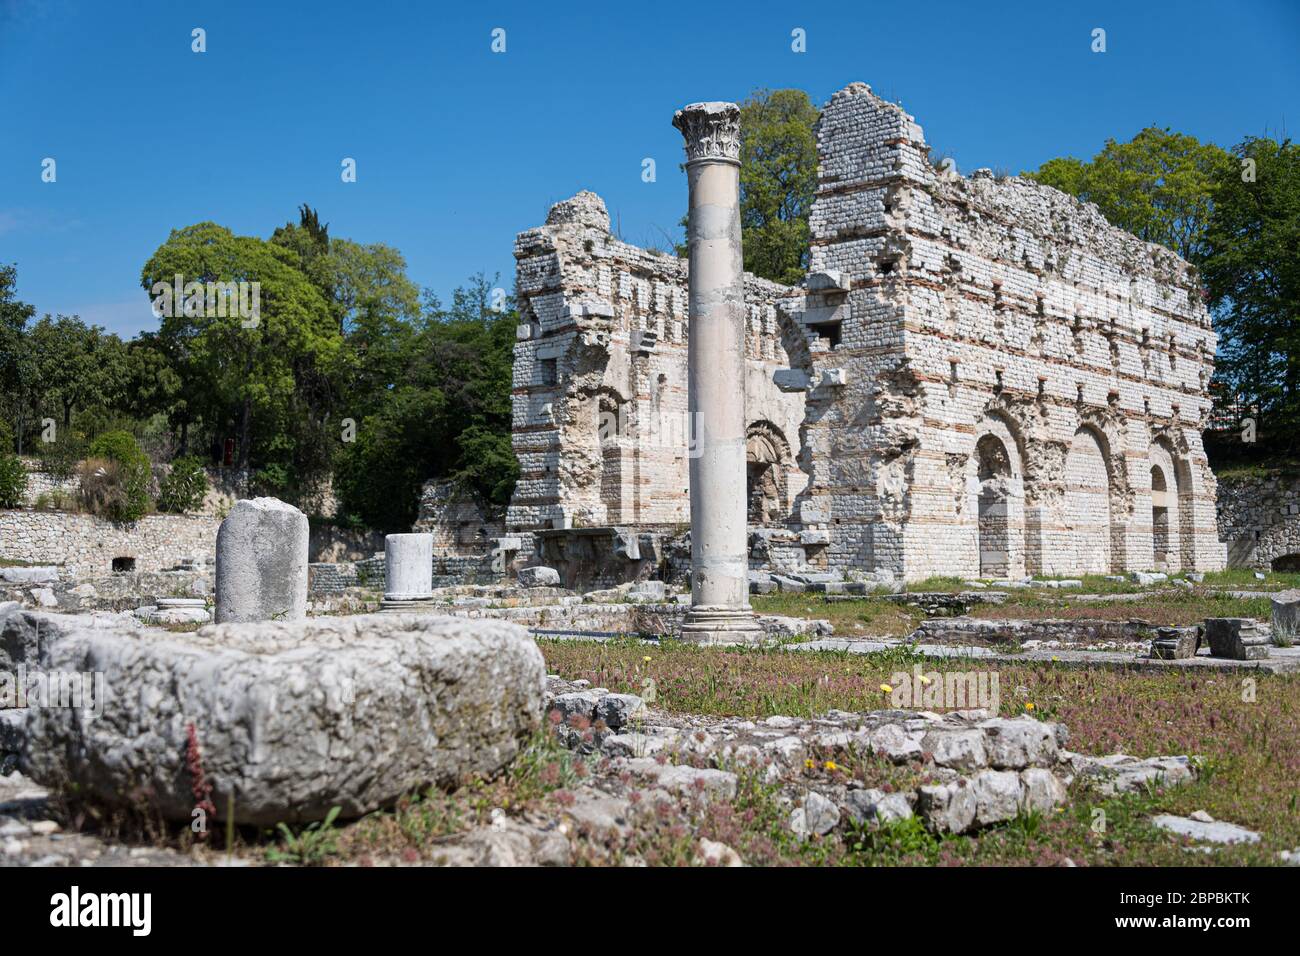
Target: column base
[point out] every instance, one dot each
(712, 624)
(395, 604)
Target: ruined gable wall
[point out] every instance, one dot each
(998, 307)
(600, 424)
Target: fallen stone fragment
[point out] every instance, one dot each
(685, 780)
(1237, 638)
(712, 853)
(290, 718)
(41, 575)
(539, 577)
(1215, 832)
(1120, 773)
(616, 710)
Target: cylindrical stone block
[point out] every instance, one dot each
(262, 562)
(408, 567)
(720, 609)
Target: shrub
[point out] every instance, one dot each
(121, 493)
(119, 446)
(184, 487)
(13, 481)
(113, 490)
(59, 458)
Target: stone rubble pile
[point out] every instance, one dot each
(970, 770)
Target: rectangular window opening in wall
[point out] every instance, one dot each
(123, 565)
(828, 332)
(549, 372)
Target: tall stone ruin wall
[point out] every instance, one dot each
(1024, 385)
(600, 419)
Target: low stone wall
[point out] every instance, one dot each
(1259, 520)
(329, 542)
(86, 545)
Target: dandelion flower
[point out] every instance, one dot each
(831, 765)
(1029, 705)
(886, 688)
(810, 764)
(924, 679)
(645, 660)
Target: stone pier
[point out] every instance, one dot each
(720, 611)
(262, 563)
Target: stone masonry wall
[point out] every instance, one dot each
(85, 545)
(1023, 384)
(600, 405)
(1259, 521)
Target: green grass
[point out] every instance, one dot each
(1244, 579)
(855, 617)
(1251, 745)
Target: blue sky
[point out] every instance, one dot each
(458, 148)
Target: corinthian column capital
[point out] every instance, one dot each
(712, 131)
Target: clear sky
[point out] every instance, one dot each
(458, 148)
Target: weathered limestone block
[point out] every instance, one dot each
(262, 562)
(1286, 615)
(291, 718)
(1238, 638)
(1019, 743)
(539, 577)
(1175, 643)
(866, 806)
(949, 808)
(958, 749)
(1041, 790)
(408, 567)
(997, 796)
(44, 575)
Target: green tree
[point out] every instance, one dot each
(1251, 267)
(1158, 185)
(78, 364)
(436, 405)
(778, 178)
(19, 380)
(264, 380)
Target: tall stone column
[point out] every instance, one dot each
(720, 611)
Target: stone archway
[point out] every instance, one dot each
(996, 501)
(767, 466)
(1086, 507)
(993, 468)
(1163, 539)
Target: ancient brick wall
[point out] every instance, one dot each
(1010, 362)
(600, 424)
